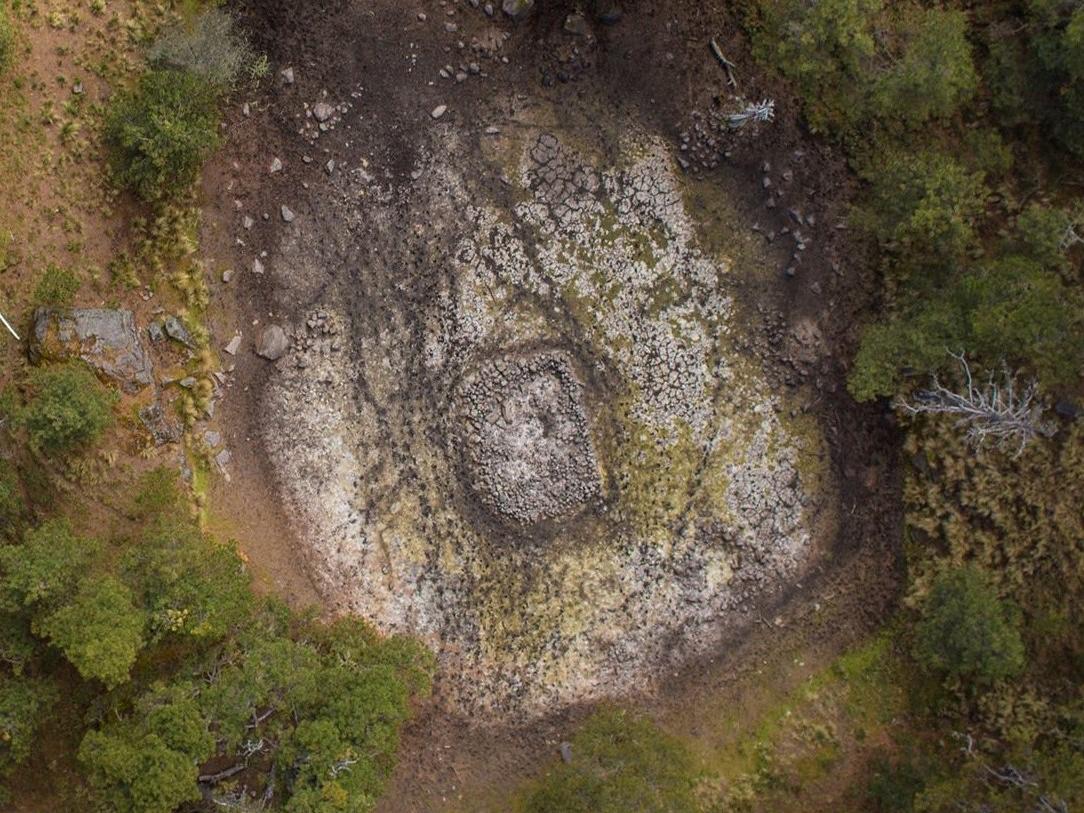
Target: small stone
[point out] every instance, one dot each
(421, 16)
(766, 182)
(223, 458)
(246, 109)
(234, 345)
(439, 111)
(247, 223)
(474, 68)
(493, 130)
(176, 330)
(488, 9)
(227, 275)
(330, 166)
(273, 343)
(517, 9)
(212, 438)
(257, 266)
(566, 752)
(287, 214)
(188, 382)
(461, 77)
(276, 165)
(576, 25)
(451, 27)
(288, 76)
(322, 111)
(791, 272)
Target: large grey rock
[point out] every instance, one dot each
(273, 343)
(105, 339)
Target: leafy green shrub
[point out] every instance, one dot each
(56, 287)
(11, 503)
(824, 48)
(161, 132)
(45, 569)
(854, 61)
(150, 762)
(965, 632)
(210, 46)
(620, 762)
(1011, 310)
(188, 583)
(100, 630)
(1041, 234)
(923, 206)
(332, 698)
(932, 74)
(70, 408)
(24, 703)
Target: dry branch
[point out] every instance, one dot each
(995, 412)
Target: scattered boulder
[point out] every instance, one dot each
(176, 330)
(105, 339)
(517, 9)
(273, 343)
(154, 421)
(322, 111)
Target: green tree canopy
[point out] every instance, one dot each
(966, 632)
(100, 630)
(45, 568)
(161, 132)
(620, 762)
(69, 408)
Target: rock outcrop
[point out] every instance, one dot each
(105, 339)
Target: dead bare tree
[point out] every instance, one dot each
(1011, 776)
(761, 111)
(996, 412)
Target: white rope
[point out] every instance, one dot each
(11, 330)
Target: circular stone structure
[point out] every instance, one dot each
(524, 438)
(558, 359)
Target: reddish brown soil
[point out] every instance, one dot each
(652, 68)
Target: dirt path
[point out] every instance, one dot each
(655, 69)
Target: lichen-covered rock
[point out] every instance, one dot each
(105, 339)
(538, 450)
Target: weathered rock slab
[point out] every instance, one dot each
(105, 339)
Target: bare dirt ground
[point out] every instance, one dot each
(652, 68)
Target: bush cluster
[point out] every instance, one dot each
(199, 667)
(69, 409)
(620, 762)
(162, 131)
